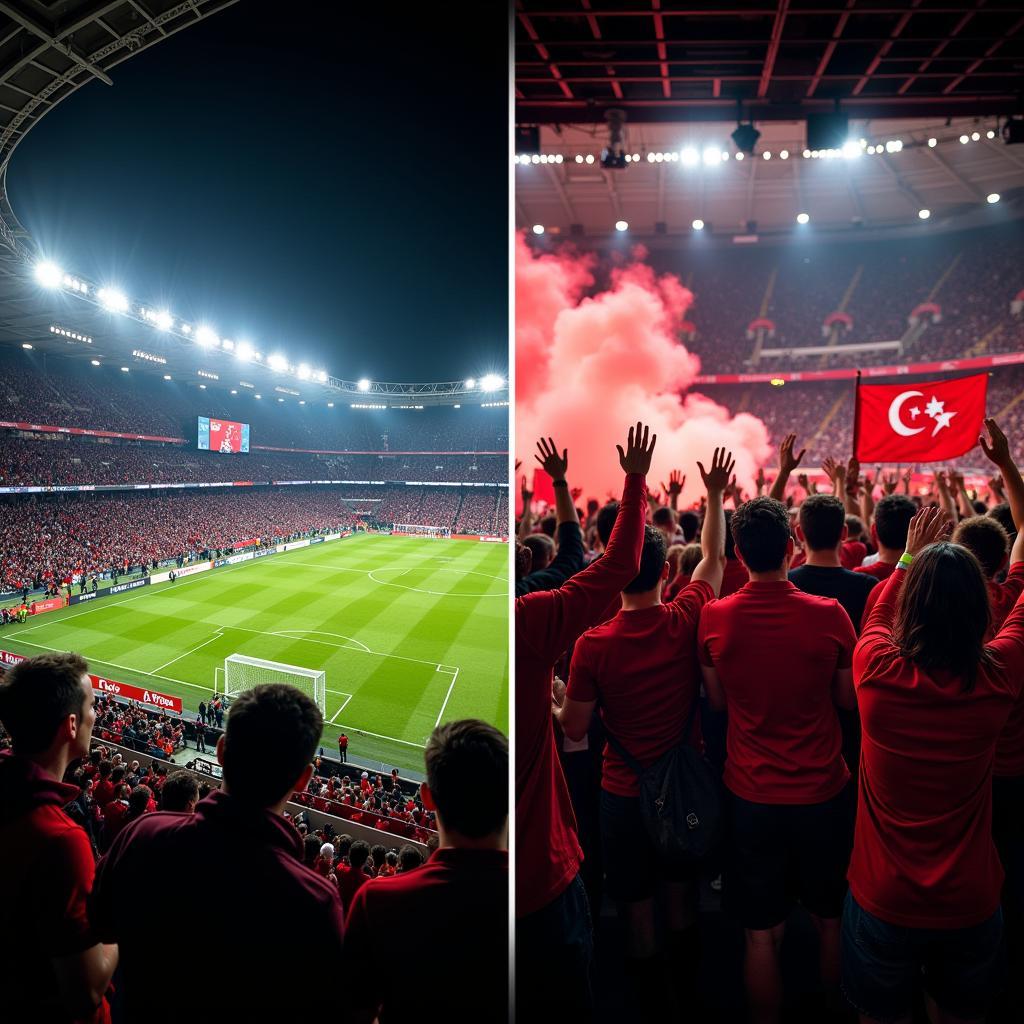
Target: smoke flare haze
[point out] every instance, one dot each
(588, 364)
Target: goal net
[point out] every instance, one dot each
(243, 673)
(418, 530)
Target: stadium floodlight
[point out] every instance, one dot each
(852, 150)
(802, 218)
(243, 350)
(330, 405)
(712, 155)
(277, 362)
(992, 198)
(113, 300)
(163, 320)
(48, 274)
(975, 136)
(95, 362)
(257, 396)
(124, 369)
(363, 385)
(492, 382)
(990, 134)
(688, 157)
(621, 225)
(167, 376)
(470, 384)
(932, 143)
(698, 224)
(303, 371)
(739, 156)
(766, 155)
(206, 336)
(538, 229)
(321, 376)
(964, 140)
(784, 155)
(25, 345)
(234, 391)
(924, 214)
(227, 344)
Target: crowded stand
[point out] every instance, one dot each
(770, 752)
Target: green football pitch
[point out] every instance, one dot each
(410, 633)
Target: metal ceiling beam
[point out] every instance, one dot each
(545, 55)
(972, 70)
(884, 49)
(659, 35)
(941, 45)
(953, 173)
(773, 48)
(830, 48)
(41, 32)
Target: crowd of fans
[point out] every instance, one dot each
(816, 694)
(92, 846)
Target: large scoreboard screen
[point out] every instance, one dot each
(216, 435)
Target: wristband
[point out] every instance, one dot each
(559, 483)
(906, 559)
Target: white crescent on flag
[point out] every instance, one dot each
(894, 414)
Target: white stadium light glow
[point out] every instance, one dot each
(650, 158)
(280, 399)
(852, 150)
(932, 143)
(992, 198)
(124, 369)
(167, 376)
(206, 336)
(784, 155)
(807, 154)
(95, 362)
(186, 329)
(363, 385)
(975, 136)
(688, 156)
(163, 320)
(470, 384)
(766, 155)
(698, 224)
(802, 218)
(924, 214)
(227, 344)
(302, 401)
(739, 156)
(990, 134)
(257, 396)
(25, 345)
(234, 391)
(579, 158)
(277, 362)
(303, 371)
(48, 274)
(621, 225)
(202, 387)
(590, 158)
(243, 350)
(492, 382)
(113, 300)
(964, 140)
(538, 229)
(321, 376)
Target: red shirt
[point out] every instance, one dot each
(776, 651)
(641, 668)
(852, 553)
(880, 570)
(734, 577)
(548, 853)
(1010, 748)
(923, 855)
(104, 792)
(462, 895)
(349, 883)
(47, 869)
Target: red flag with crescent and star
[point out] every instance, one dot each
(927, 421)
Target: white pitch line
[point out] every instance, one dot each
(393, 739)
(216, 636)
(447, 695)
(333, 717)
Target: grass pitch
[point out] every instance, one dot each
(410, 632)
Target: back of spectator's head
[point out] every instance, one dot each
(310, 850)
(892, 520)
(118, 774)
(138, 800)
(106, 768)
(542, 550)
(986, 540)
(592, 506)
(409, 858)
(377, 854)
(268, 745)
(1001, 514)
(664, 518)
(524, 561)
(467, 778)
(48, 700)
(761, 533)
(342, 845)
(980, 508)
(822, 521)
(180, 792)
(606, 520)
(854, 527)
(392, 858)
(548, 525)
(689, 523)
(358, 854)
(690, 559)
(327, 852)
(652, 563)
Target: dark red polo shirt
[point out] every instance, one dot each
(880, 570)
(349, 884)
(461, 898)
(236, 873)
(923, 854)
(734, 576)
(776, 651)
(46, 873)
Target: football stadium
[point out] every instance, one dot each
(254, 453)
(791, 232)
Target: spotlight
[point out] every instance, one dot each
(113, 300)
(321, 376)
(802, 218)
(590, 158)
(621, 225)
(745, 138)
(25, 345)
(538, 229)
(975, 136)
(712, 155)
(992, 198)
(990, 134)
(698, 224)
(330, 405)
(303, 371)
(206, 336)
(470, 384)
(767, 154)
(234, 391)
(739, 156)
(277, 362)
(124, 369)
(851, 150)
(257, 396)
(48, 274)
(807, 154)
(924, 214)
(363, 385)
(243, 350)
(784, 155)
(932, 143)
(579, 158)
(491, 382)
(688, 157)
(163, 320)
(964, 140)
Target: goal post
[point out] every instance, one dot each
(243, 673)
(420, 530)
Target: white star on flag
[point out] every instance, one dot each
(934, 407)
(942, 420)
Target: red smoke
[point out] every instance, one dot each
(588, 367)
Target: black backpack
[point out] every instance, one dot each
(680, 799)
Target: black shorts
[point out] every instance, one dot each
(777, 855)
(633, 870)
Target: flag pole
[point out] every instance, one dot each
(856, 413)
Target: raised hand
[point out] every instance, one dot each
(853, 474)
(576, 492)
(787, 461)
(928, 526)
(637, 456)
(889, 481)
(804, 481)
(760, 480)
(996, 447)
(717, 478)
(676, 483)
(526, 492)
(941, 483)
(549, 459)
(835, 471)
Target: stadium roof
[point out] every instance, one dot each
(884, 190)
(780, 59)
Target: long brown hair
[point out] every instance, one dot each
(944, 614)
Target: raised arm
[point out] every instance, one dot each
(676, 483)
(787, 463)
(555, 467)
(526, 523)
(946, 502)
(712, 534)
(852, 487)
(997, 448)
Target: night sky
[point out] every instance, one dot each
(331, 181)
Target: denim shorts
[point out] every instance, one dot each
(960, 968)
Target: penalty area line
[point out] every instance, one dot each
(348, 697)
(451, 687)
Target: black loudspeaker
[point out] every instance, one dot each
(1013, 131)
(527, 139)
(827, 131)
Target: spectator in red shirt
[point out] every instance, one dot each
(53, 968)
(553, 939)
(889, 533)
(343, 748)
(462, 891)
(351, 881)
(925, 876)
(779, 661)
(639, 668)
(276, 919)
